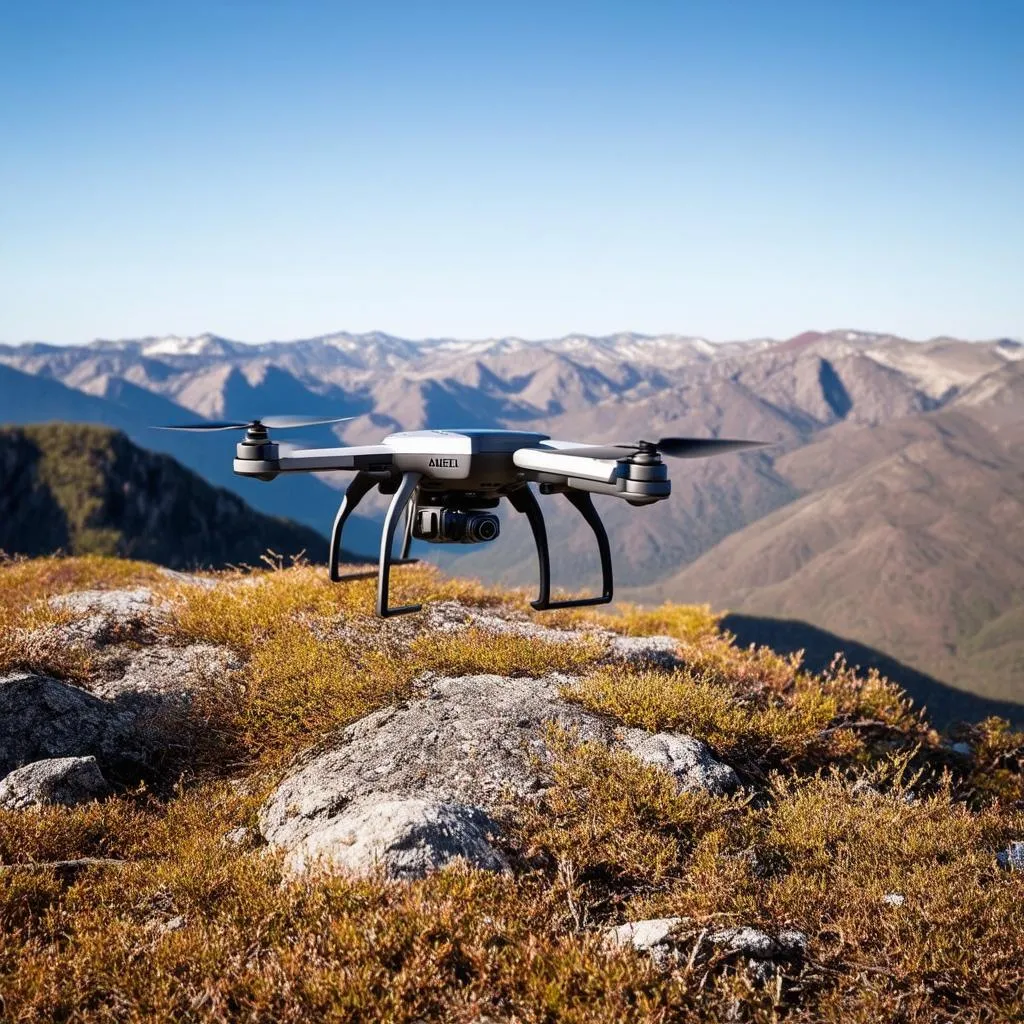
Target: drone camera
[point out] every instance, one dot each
(454, 526)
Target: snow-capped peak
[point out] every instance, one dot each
(172, 345)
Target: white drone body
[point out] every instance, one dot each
(447, 482)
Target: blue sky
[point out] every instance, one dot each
(278, 170)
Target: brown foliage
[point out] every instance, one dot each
(851, 798)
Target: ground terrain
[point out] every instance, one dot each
(619, 817)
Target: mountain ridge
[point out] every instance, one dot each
(824, 399)
(89, 490)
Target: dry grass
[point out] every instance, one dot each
(24, 581)
(853, 797)
(315, 660)
(687, 623)
(476, 651)
(765, 715)
(190, 929)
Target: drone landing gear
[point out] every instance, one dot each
(523, 500)
(405, 491)
(361, 485)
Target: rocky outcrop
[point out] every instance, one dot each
(154, 669)
(60, 780)
(476, 742)
(104, 616)
(660, 652)
(43, 718)
(161, 673)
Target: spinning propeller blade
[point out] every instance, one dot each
(289, 422)
(216, 425)
(274, 422)
(677, 447)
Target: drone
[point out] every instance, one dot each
(449, 482)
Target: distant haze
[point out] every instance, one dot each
(482, 170)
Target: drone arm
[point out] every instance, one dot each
(360, 486)
(523, 500)
(535, 460)
(405, 491)
(316, 460)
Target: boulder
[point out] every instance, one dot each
(687, 759)
(59, 780)
(43, 718)
(472, 741)
(400, 838)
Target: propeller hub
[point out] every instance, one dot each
(647, 454)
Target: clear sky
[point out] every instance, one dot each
(731, 169)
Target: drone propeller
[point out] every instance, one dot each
(274, 422)
(677, 447)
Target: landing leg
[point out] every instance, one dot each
(358, 488)
(584, 504)
(524, 501)
(395, 509)
(410, 512)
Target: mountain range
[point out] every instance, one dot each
(887, 510)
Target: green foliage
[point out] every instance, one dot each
(74, 464)
(87, 490)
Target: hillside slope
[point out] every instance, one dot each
(911, 540)
(86, 489)
(27, 398)
(240, 796)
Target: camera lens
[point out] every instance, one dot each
(481, 526)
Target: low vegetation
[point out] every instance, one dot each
(858, 825)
